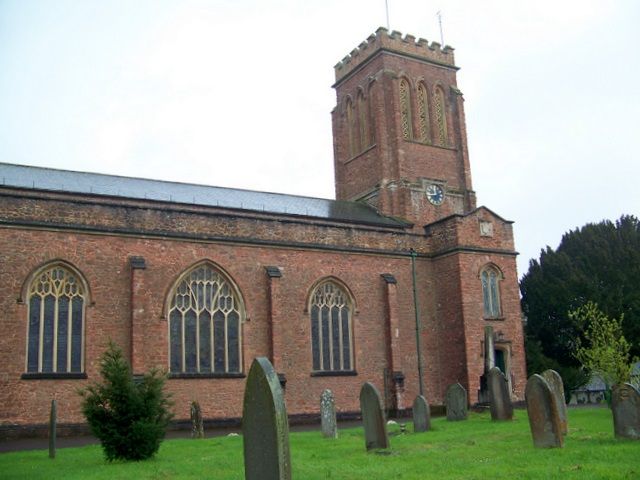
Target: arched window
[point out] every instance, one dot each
(351, 128)
(490, 278)
(363, 116)
(423, 114)
(205, 316)
(405, 110)
(331, 337)
(440, 116)
(55, 340)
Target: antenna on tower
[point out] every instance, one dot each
(439, 15)
(386, 7)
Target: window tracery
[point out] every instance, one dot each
(423, 114)
(205, 317)
(55, 340)
(351, 127)
(331, 329)
(440, 116)
(405, 110)
(363, 115)
(490, 278)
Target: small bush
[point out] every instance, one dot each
(129, 417)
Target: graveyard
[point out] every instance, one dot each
(490, 441)
(475, 448)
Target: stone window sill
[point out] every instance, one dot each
(495, 319)
(336, 373)
(173, 376)
(53, 376)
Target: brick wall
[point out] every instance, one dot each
(52, 229)
(393, 163)
(99, 235)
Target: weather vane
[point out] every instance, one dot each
(439, 15)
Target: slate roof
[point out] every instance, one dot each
(49, 179)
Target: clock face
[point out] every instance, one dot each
(435, 194)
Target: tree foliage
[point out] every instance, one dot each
(128, 417)
(599, 262)
(605, 351)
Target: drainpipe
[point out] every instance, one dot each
(417, 311)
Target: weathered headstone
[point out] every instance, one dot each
(542, 409)
(375, 428)
(265, 426)
(625, 404)
(499, 396)
(421, 415)
(53, 419)
(328, 414)
(456, 402)
(197, 426)
(554, 380)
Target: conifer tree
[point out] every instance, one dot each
(128, 417)
(599, 262)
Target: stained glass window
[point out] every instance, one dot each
(56, 310)
(331, 337)
(205, 324)
(490, 292)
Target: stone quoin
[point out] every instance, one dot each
(392, 283)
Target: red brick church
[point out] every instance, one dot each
(392, 283)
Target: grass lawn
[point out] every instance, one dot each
(473, 449)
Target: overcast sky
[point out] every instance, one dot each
(238, 93)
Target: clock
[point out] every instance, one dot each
(435, 194)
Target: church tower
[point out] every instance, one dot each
(399, 131)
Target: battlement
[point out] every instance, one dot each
(393, 41)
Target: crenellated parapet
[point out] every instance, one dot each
(394, 42)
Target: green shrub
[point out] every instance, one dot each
(129, 417)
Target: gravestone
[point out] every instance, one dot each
(53, 420)
(542, 409)
(421, 415)
(328, 414)
(456, 402)
(375, 428)
(625, 403)
(554, 380)
(197, 426)
(499, 396)
(265, 425)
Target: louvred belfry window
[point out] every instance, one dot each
(351, 128)
(441, 117)
(363, 123)
(405, 110)
(56, 322)
(205, 319)
(423, 114)
(331, 330)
